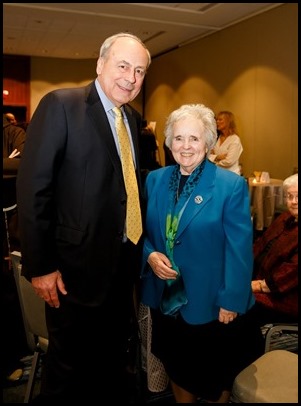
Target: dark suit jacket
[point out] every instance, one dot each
(71, 194)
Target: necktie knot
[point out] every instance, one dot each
(117, 112)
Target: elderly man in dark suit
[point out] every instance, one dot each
(72, 200)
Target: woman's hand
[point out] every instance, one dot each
(161, 266)
(226, 316)
(259, 285)
(14, 153)
(220, 157)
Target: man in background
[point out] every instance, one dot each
(14, 346)
(11, 118)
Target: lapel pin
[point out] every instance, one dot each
(198, 199)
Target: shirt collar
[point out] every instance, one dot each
(107, 104)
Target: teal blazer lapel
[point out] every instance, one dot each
(199, 198)
(162, 197)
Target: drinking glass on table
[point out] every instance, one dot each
(257, 175)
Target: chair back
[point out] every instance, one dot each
(281, 336)
(32, 306)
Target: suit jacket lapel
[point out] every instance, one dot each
(99, 117)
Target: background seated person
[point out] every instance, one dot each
(148, 148)
(275, 275)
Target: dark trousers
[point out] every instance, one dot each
(88, 346)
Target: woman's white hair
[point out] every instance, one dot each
(290, 181)
(199, 112)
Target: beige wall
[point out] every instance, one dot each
(53, 73)
(249, 69)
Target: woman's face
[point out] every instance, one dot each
(221, 122)
(188, 144)
(292, 200)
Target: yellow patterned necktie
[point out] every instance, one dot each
(133, 212)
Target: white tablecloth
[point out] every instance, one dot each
(265, 197)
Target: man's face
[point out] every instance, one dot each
(122, 71)
(11, 118)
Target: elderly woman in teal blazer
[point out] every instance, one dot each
(197, 261)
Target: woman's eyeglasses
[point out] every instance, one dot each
(292, 196)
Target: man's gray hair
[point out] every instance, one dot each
(104, 49)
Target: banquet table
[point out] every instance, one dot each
(264, 199)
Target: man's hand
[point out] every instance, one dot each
(46, 287)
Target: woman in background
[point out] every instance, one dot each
(228, 148)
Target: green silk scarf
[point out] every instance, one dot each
(174, 295)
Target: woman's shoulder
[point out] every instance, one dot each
(230, 181)
(164, 170)
(226, 174)
(286, 218)
(157, 177)
(234, 138)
